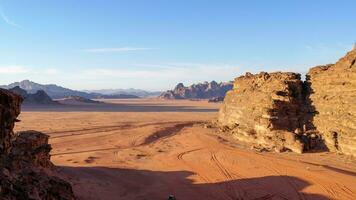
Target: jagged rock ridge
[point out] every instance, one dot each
(204, 90)
(25, 166)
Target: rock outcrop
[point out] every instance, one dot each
(38, 98)
(204, 90)
(333, 95)
(264, 109)
(279, 111)
(26, 171)
(9, 110)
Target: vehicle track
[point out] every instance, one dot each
(152, 138)
(231, 189)
(180, 157)
(102, 129)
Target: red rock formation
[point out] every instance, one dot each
(25, 166)
(278, 110)
(9, 110)
(264, 109)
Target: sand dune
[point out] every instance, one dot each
(163, 150)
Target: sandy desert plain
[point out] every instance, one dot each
(150, 149)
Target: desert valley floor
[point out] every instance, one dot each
(149, 149)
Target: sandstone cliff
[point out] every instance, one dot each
(204, 90)
(333, 95)
(279, 111)
(25, 166)
(264, 109)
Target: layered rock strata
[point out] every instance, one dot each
(264, 109)
(279, 111)
(333, 95)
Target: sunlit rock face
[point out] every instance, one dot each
(333, 94)
(265, 109)
(279, 111)
(26, 171)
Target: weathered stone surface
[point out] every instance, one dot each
(30, 148)
(33, 184)
(25, 166)
(333, 95)
(10, 105)
(265, 109)
(204, 90)
(279, 111)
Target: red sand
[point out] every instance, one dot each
(142, 153)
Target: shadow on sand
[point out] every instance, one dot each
(129, 184)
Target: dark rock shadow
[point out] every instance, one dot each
(297, 115)
(112, 183)
(316, 144)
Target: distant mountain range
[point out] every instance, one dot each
(206, 90)
(58, 92)
(39, 98)
(130, 91)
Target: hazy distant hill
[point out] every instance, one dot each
(204, 90)
(58, 92)
(54, 91)
(40, 97)
(130, 91)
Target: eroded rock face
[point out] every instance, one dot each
(25, 166)
(333, 94)
(30, 148)
(9, 110)
(264, 109)
(279, 111)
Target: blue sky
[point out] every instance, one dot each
(154, 44)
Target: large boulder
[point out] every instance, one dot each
(333, 95)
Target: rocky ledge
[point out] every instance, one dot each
(26, 171)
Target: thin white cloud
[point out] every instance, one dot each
(7, 20)
(13, 69)
(177, 71)
(119, 49)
